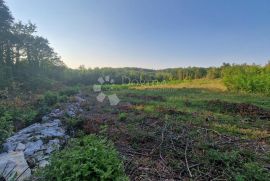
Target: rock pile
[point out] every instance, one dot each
(31, 147)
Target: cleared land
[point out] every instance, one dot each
(192, 130)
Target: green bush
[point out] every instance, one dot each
(87, 158)
(50, 98)
(38, 83)
(26, 115)
(6, 126)
(247, 78)
(122, 116)
(69, 91)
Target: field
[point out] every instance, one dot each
(193, 130)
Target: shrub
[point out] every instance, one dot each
(38, 83)
(6, 126)
(87, 158)
(50, 98)
(26, 115)
(247, 78)
(69, 91)
(122, 116)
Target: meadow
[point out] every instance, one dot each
(191, 130)
(194, 130)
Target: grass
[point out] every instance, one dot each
(200, 83)
(189, 130)
(176, 131)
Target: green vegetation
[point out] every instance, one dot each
(50, 98)
(14, 116)
(6, 127)
(28, 62)
(248, 78)
(197, 122)
(87, 158)
(122, 116)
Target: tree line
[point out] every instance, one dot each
(29, 62)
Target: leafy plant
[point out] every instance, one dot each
(69, 91)
(122, 116)
(87, 158)
(6, 126)
(50, 98)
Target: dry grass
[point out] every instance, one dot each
(216, 85)
(246, 132)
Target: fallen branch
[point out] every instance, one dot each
(187, 165)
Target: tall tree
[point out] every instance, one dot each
(6, 21)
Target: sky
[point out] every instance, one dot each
(152, 34)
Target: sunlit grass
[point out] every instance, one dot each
(245, 132)
(216, 84)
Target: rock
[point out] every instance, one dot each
(20, 147)
(79, 99)
(38, 156)
(43, 163)
(32, 147)
(36, 143)
(45, 118)
(71, 113)
(57, 113)
(54, 123)
(52, 146)
(8, 146)
(30, 129)
(53, 132)
(13, 164)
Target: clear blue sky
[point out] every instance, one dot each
(151, 33)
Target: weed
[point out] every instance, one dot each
(122, 116)
(87, 158)
(50, 98)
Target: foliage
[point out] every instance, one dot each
(26, 115)
(6, 126)
(122, 116)
(69, 91)
(240, 168)
(13, 118)
(87, 158)
(253, 171)
(247, 78)
(50, 98)
(24, 56)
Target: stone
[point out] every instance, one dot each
(79, 99)
(14, 164)
(20, 147)
(38, 156)
(43, 163)
(36, 142)
(53, 132)
(45, 118)
(32, 147)
(53, 145)
(57, 113)
(71, 113)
